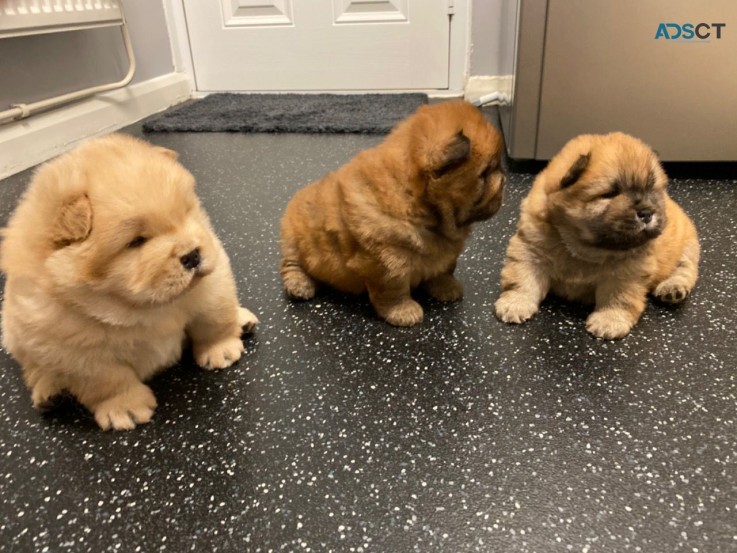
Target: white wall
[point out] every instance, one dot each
(48, 65)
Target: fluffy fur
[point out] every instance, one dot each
(396, 216)
(598, 227)
(111, 262)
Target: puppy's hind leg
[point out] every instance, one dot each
(297, 283)
(678, 286)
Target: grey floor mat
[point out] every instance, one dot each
(289, 113)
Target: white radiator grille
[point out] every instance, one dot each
(27, 17)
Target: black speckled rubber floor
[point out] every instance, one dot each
(337, 432)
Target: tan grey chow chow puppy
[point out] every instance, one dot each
(599, 227)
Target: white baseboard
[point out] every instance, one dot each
(431, 93)
(483, 85)
(31, 141)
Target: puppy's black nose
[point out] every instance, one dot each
(191, 260)
(645, 215)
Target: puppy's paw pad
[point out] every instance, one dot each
(407, 313)
(299, 286)
(446, 288)
(124, 411)
(515, 309)
(247, 320)
(669, 292)
(609, 325)
(220, 355)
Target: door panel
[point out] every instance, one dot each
(319, 44)
(367, 11)
(256, 13)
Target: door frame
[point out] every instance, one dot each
(458, 58)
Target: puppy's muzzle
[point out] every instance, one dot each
(191, 260)
(645, 215)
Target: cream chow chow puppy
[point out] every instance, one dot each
(112, 266)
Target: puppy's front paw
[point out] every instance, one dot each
(671, 291)
(125, 410)
(406, 313)
(610, 324)
(247, 320)
(515, 308)
(444, 288)
(219, 355)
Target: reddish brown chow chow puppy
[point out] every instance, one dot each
(111, 262)
(598, 227)
(396, 216)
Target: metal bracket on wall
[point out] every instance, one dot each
(23, 18)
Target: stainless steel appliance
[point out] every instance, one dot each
(662, 70)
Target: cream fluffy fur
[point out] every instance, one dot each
(111, 265)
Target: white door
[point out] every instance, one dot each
(319, 44)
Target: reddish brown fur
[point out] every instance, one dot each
(396, 216)
(574, 241)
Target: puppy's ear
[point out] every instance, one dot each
(576, 170)
(167, 152)
(73, 221)
(453, 155)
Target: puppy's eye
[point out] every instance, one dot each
(609, 195)
(137, 242)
